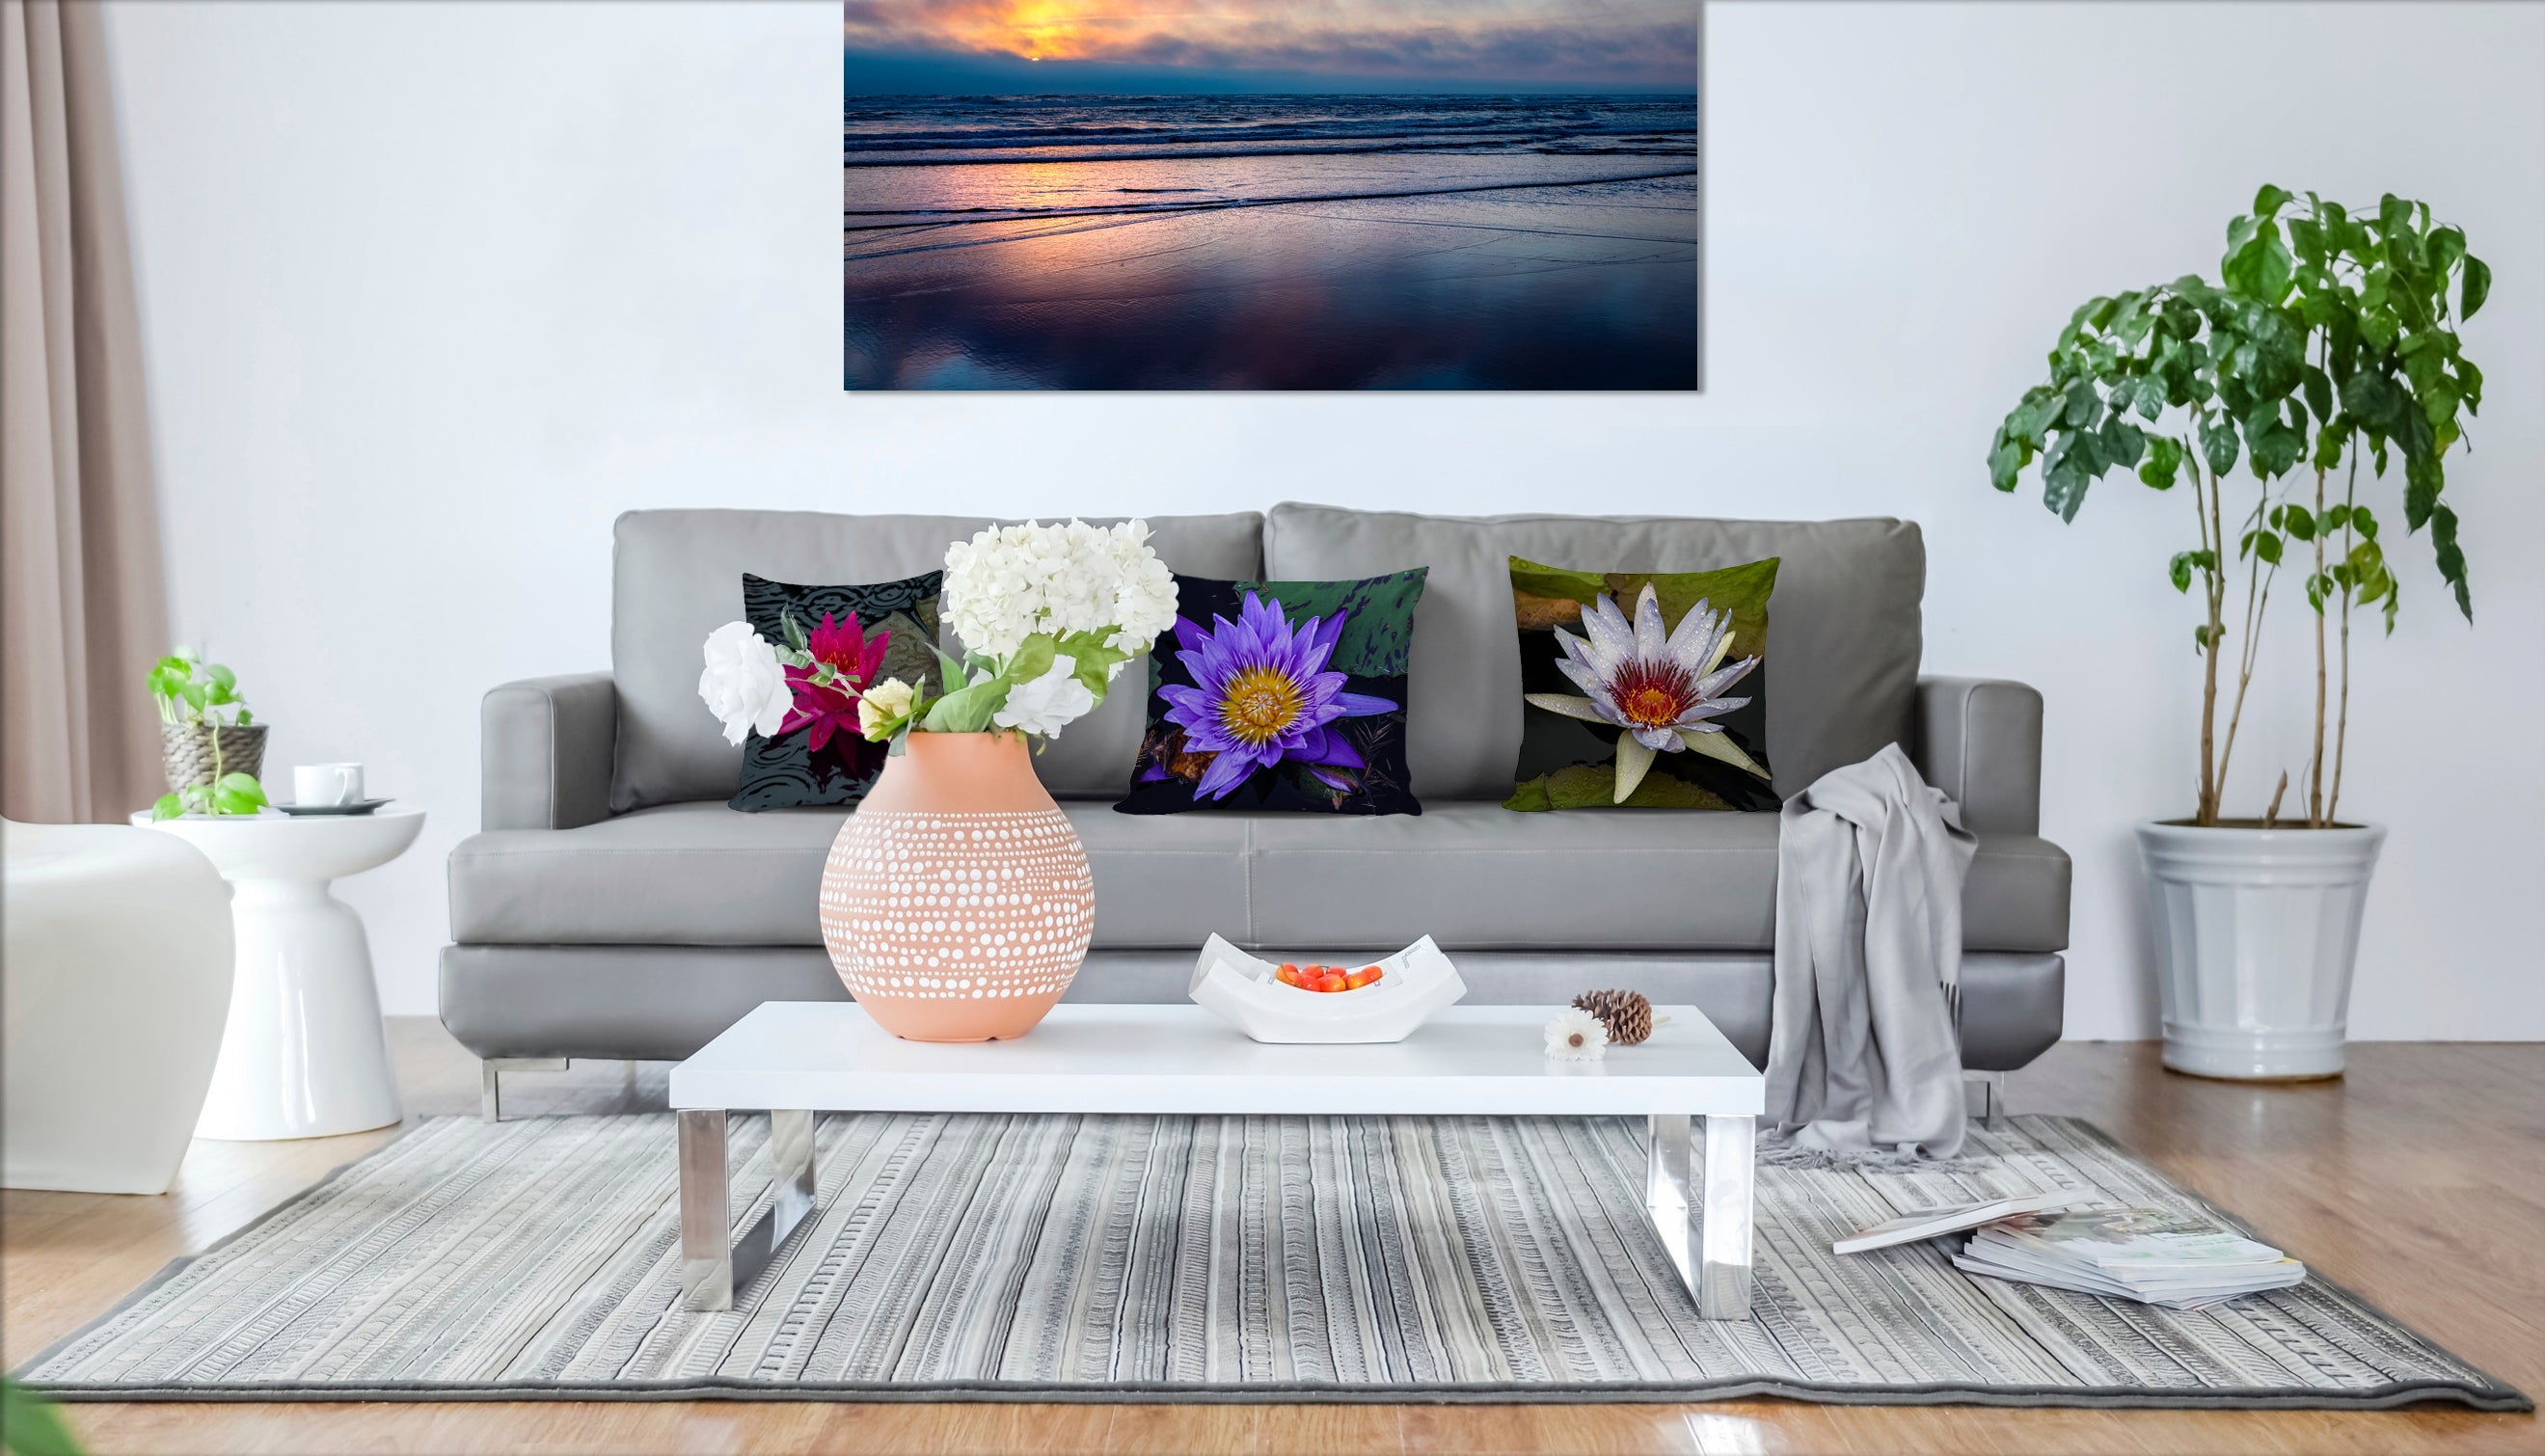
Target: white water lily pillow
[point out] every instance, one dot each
(1645, 689)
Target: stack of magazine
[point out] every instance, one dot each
(2182, 1261)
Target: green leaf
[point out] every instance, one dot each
(2150, 396)
(2373, 400)
(2269, 199)
(2085, 407)
(2121, 442)
(237, 794)
(794, 632)
(168, 806)
(2218, 443)
(2421, 482)
(2364, 523)
(2200, 638)
(2165, 456)
(30, 1426)
(2447, 247)
(2299, 524)
(1031, 659)
(2267, 547)
(2179, 571)
(2319, 392)
(2452, 563)
(967, 709)
(2474, 287)
(2007, 460)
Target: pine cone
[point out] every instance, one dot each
(1626, 1014)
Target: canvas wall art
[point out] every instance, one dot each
(1270, 195)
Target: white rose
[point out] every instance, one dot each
(885, 702)
(1049, 703)
(743, 685)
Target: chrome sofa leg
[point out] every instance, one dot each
(490, 1084)
(1984, 1095)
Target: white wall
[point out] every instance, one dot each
(433, 291)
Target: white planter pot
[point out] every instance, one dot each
(2257, 931)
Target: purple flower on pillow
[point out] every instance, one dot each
(1262, 697)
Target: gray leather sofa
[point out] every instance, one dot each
(613, 906)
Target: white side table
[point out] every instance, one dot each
(302, 1055)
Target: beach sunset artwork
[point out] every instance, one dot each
(1269, 194)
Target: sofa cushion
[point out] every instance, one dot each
(1281, 695)
(1611, 879)
(1846, 623)
(1696, 684)
(839, 623)
(1622, 880)
(678, 577)
(702, 874)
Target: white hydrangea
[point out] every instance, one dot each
(1013, 581)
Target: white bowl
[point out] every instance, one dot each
(1240, 990)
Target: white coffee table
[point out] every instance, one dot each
(301, 1054)
(795, 1059)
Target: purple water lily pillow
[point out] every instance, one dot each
(1281, 696)
(818, 756)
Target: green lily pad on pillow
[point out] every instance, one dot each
(1594, 786)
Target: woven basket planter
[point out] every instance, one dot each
(185, 751)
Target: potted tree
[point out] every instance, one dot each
(2327, 338)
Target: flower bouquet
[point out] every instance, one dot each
(1047, 615)
(957, 821)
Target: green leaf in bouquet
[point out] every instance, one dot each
(967, 709)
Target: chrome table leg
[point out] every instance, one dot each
(1666, 1168)
(706, 1213)
(1722, 1284)
(710, 1268)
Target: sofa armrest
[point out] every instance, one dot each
(547, 743)
(1979, 740)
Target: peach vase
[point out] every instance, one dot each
(956, 903)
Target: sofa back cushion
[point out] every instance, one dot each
(677, 576)
(1845, 614)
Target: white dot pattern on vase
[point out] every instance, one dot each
(936, 906)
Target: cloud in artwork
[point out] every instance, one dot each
(1625, 43)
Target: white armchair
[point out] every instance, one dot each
(118, 982)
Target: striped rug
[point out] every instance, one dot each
(977, 1257)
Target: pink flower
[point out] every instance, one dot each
(823, 708)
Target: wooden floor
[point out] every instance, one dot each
(2419, 1180)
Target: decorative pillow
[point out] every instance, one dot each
(1647, 690)
(818, 756)
(1281, 696)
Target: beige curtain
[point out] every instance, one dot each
(83, 607)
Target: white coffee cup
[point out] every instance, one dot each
(327, 783)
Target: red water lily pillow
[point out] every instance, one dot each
(868, 633)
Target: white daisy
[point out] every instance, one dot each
(1575, 1035)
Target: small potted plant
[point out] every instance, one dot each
(2329, 339)
(210, 743)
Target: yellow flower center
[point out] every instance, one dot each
(1258, 704)
(1652, 694)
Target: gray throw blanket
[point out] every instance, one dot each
(1865, 1063)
